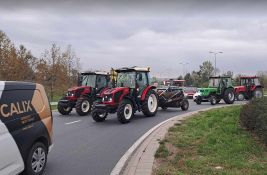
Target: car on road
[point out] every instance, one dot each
(25, 128)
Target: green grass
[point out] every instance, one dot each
(211, 139)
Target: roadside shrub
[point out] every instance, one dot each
(253, 116)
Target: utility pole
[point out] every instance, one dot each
(215, 60)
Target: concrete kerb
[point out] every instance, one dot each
(122, 163)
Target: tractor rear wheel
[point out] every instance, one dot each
(83, 106)
(240, 97)
(99, 116)
(229, 96)
(63, 109)
(258, 93)
(150, 104)
(125, 111)
(185, 105)
(213, 100)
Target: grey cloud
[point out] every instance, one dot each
(147, 33)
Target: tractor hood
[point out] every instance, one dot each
(75, 88)
(206, 89)
(239, 87)
(114, 90)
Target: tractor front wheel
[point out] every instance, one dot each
(240, 97)
(229, 96)
(125, 111)
(213, 100)
(83, 106)
(99, 116)
(198, 100)
(63, 109)
(150, 104)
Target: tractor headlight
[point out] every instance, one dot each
(107, 98)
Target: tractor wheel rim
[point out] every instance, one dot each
(128, 110)
(102, 115)
(38, 160)
(258, 94)
(85, 106)
(231, 96)
(67, 109)
(214, 100)
(152, 103)
(241, 97)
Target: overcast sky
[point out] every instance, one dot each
(156, 33)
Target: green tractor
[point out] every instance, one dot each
(220, 87)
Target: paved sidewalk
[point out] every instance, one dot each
(141, 162)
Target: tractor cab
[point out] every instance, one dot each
(250, 86)
(134, 78)
(96, 80)
(250, 81)
(220, 82)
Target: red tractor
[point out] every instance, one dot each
(249, 87)
(81, 97)
(131, 94)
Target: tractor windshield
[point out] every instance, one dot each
(249, 81)
(126, 79)
(214, 82)
(88, 80)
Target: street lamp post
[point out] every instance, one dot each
(215, 58)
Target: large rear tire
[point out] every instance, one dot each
(150, 104)
(258, 93)
(229, 96)
(83, 106)
(63, 110)
(98, 115)
(125, 111)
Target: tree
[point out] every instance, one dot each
(206, 70)
(188, 79)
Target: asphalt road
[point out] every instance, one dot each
(84, 147)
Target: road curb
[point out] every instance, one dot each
(122, 163)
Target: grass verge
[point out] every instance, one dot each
(212, 142)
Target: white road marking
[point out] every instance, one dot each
(72, 122)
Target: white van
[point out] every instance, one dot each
(25, 128)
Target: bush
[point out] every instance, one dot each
(253, 116)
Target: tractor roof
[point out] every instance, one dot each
(248, 77)
(94, 73)
(135, 68)
(213, 77)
